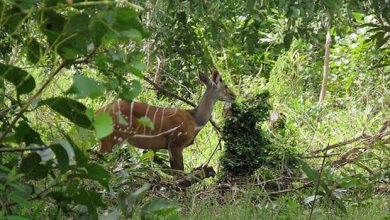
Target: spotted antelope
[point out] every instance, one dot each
(173, 128)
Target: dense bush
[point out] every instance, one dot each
(247, 146)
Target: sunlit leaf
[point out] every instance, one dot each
(103, 125)
(146, 122)
(84, 87)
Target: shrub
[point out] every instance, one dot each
(247, 146)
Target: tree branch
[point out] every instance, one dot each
(39, 92)
(5, 148)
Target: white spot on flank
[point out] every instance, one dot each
(120, 139)
(115, 137)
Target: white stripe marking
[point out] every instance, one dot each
(162, 120)
(152, 136)
(154, 119)
(131, 114)
(173, 113)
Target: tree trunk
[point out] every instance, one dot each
(325, 75)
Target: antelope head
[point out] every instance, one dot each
(217, 86)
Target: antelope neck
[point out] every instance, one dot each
(202, 112)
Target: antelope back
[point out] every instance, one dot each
(169, 125)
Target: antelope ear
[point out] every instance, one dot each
(203, 78)
(215, 76)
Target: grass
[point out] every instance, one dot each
(290, 208)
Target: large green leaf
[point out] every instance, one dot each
(103, 125)
(124, 24)
(70, 109)
(52, 26)
(85, 87)
(158, 208)
(77, 38)
(32, 168)
(34, 51)
(24, 133)
(61, 156)
(22, 80)
(12, 19)
(23, 5)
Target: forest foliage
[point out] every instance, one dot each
(280, 153)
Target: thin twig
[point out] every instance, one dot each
(25, 106)
(317, 186)
(212, 154)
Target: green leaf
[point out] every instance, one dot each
(85, 87)
(52, 26)
(20, 200)
(130, 92)
(359, 17)
(311, 173)
(32, 168)
(136, 65)
(146, 122)
(158, 208)
(78, 37)
(21, 79)
(124, 24)
(13, 18)
(34, 51)
(70, 109)
(24, 133)
(103, 125)
(89, 198)
(61, 156)
(96, 172)
(137, 195)
(23, 5)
